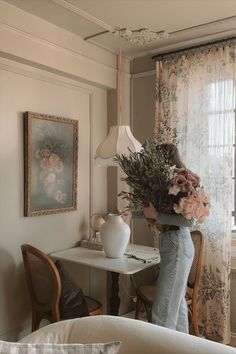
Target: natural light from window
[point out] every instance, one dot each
(221, 122)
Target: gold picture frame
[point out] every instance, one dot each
(50, 164)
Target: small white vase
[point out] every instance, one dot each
(115, 234)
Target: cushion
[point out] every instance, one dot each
(48, 348)
(72, 302)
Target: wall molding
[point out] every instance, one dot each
(30, 38)
(43, 75)
(65, 4)
(143, 74)
(40, 52)
(53, 45)
(38, 74)
(221, 27)
(27, 23)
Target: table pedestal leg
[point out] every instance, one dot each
(114, 299)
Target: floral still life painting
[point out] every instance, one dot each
(50, 164)
(153, 179)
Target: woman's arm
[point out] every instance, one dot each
(173, 219)
(138, 214)
(166, 219)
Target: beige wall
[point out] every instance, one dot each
(114, 183)
(143, 115)
(48, 70)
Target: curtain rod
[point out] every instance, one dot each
(162, 55)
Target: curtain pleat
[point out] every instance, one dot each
(195, 103)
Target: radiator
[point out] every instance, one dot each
(233, 301)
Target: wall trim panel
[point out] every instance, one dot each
(28, 37)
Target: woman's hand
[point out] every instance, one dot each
(150, 212)
(126, 215)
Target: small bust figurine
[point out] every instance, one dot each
(96, 222)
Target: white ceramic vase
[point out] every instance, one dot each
(115, 234)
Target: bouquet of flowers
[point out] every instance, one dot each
(170, 189)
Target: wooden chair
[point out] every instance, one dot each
(146, 293)
(45, 287)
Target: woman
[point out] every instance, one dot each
(177, 252)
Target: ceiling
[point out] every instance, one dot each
(188, 22)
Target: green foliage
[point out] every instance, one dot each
(147, 173)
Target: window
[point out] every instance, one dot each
(222, 129)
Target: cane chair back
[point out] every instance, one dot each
(45, 288)
(44, 285)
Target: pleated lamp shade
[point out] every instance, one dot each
(119, 140)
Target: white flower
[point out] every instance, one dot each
(172, 172)
(60, 196)
(177, 209)
(50, 178)
(59, 166)
(174, 190)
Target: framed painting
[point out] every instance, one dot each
(50, 164)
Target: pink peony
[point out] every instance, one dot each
(194, 179)
(195, 205)
(185, 180)
(53, 160)
(203, 196)
(44, 163)
(181, 181)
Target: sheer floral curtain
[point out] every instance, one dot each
(196, 97)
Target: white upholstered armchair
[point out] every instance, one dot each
(137, 337)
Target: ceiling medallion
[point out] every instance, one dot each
(141, 36)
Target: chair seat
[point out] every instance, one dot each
(53, 293)
(147, 292)
(94, 306)
(189, 300)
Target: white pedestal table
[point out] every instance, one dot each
(136, 258)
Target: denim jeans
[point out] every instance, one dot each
(177, 252)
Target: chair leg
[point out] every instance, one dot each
(138, 309)
(195, 324)
(36, 319)
(148, 310)
(140, 305)
(96, 312)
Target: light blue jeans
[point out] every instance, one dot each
(177, 252)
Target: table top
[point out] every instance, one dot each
(136, 258)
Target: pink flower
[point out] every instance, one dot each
(203, 196)
(195, 205)
(59, 166)
(44, 163)
(184, 179)
(50, 178)
(53, 160)
(186, 207)
(180, 181)
(194, 179)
